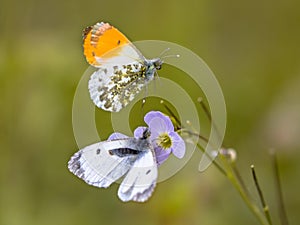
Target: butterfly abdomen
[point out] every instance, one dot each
(123, 152)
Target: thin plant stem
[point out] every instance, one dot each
(261, 196)
(240, 179)
(195, 134)
(170, 111)
(235, 182)
(205, 109)
(281, 207)
(208, 114)
(233, 174)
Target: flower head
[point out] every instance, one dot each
(163, 137)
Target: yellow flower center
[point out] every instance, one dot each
(164, 141)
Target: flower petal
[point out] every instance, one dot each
(139, 131)
(159, 126)
(161, 155)
(116, 135)
(156, 114)
(150, 115)
(178, 145)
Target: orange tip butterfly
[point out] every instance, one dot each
(122, 70)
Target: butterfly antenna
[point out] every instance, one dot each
(163, 52)
(170, 56)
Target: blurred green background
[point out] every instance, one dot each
(252, 47)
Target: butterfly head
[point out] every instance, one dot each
(156, 63)
(146, 133)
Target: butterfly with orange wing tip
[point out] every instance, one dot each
(122, 69)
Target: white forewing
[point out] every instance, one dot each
(96, 166)
(140, 181)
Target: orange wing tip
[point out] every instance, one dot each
(100, 39)
(97, 29)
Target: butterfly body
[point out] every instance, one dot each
(122, 70)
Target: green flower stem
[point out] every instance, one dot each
(231, 172)
(242, 191)
(240, 179)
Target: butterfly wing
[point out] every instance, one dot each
(97, 164)
(112, 87)
(103, 44)
(103, 163)
(140, 181)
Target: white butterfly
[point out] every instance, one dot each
(122, 69)
(103, 163)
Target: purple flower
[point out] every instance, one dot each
(163, 137)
